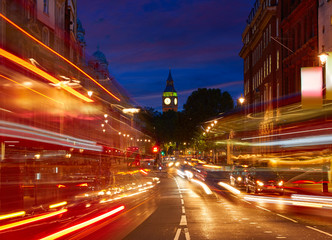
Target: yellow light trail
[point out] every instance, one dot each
(58, 204)
(30, 89)
(31, 220)
(59, 55)
(11, 215)
(41, 73)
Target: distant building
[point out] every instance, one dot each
(170, 96)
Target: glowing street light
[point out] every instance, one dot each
(241, 99)
(323, 56)
(90, 93)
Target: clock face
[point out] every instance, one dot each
(167, 101)
(175, 101)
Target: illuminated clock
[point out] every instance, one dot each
(167, 101)
(175, 101)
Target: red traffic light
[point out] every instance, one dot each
(155, 149)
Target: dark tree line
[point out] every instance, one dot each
(202, 105)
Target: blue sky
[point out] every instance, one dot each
(198, 39)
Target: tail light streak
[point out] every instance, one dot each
(83, 224)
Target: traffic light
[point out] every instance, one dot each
(163, 153)
(155, 149)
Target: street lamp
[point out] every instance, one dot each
(323, 56)
(323, 59)
(241, 99)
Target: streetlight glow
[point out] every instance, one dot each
(323, 57)
(241, 99)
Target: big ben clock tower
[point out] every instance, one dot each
(170, 97)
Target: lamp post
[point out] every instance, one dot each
(323, 59)
(241, 101)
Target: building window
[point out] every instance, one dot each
(277, 27)
(277, 59)
(46, 36)
(46, 6)
(270, 33)
(270, 60)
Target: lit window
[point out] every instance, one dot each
(270, 60)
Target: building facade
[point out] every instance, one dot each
(299, 30)
(324, 26)
(280, 38)
(261, 55)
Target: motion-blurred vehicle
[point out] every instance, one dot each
(237, 176)
(308, 182)
(264, 181)
(211, 174)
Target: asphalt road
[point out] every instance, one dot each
(179, 209)
(182, 210)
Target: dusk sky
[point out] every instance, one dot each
(198, 39)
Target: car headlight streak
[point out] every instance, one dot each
(259, 183)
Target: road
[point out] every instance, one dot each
(184, 211)
(181, 210)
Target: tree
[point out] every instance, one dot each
(147, 117)
(206, 103)
(203, 105)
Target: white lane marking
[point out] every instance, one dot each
(183, 220)
(281, 237)
(263, 208)
(245, 218)
(267, 231)
(182, 202)
(252, 223)
(258, 227)
(326, 233)
(290, 219)
(186, 234)
(183, 210)
(181, 196)
(177, 235)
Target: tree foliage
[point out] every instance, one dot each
(201, 106)
(206, 103)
